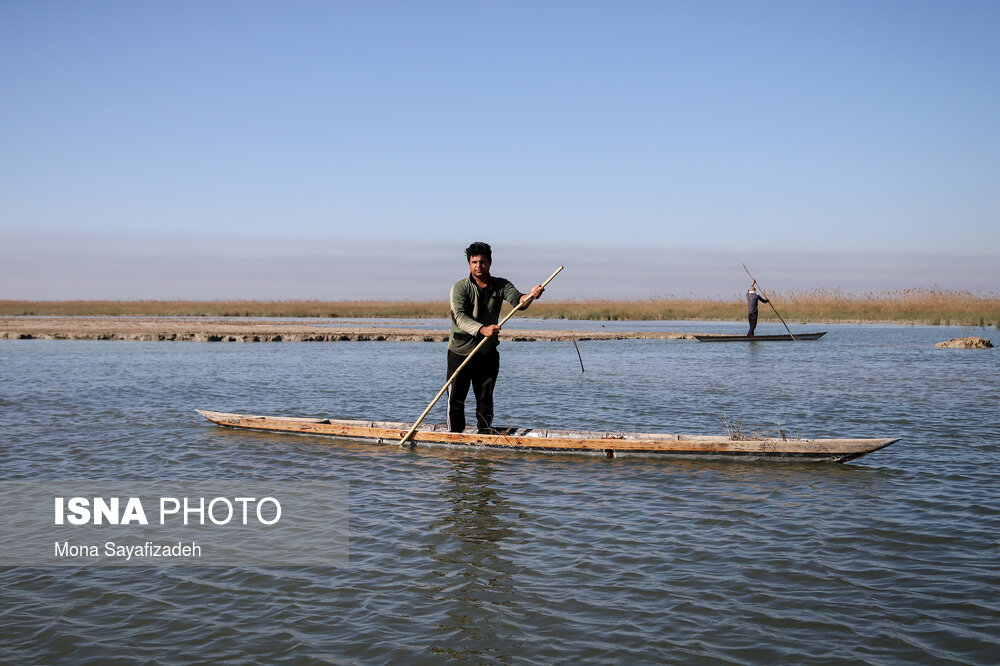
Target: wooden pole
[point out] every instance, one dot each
(526, 302)
(795, 339)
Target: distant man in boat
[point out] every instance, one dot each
(752, 298)
(475, 311)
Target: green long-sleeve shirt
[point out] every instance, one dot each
(473, 307)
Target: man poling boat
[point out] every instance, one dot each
(752, 299)
(475, 312)
(473, 315)
(755, 295)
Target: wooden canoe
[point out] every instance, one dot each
(609, 444)
(714, 337)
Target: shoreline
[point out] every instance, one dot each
(166, 328)
(199, 329)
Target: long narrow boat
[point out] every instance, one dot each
(715, 337)
(609, 444)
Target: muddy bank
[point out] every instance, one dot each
(198, 329)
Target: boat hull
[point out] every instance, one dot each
(712, 337)
(607, 444)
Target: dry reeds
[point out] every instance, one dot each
(916, 306)
(248, 308)
(735, 429)
(930, 306)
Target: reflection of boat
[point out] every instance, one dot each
(610, 444)
(718, 337)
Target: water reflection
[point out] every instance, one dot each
(477, 589)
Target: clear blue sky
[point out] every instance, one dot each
(333, 149)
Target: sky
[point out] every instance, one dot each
(337, 150)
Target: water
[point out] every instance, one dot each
(493, 557)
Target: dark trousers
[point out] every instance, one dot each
(752, 317)
(481, 373)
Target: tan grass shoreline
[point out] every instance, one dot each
(908, 306)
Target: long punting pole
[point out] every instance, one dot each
(771, 304)
(526, 302)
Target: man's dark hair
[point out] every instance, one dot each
(479, 249)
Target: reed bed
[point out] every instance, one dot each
(930, 306)
(916, 306)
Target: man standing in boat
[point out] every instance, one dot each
(752, 298)
(475, 311)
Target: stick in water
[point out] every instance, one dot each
(451, 379)
(795, 339)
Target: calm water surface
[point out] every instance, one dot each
(491, 557)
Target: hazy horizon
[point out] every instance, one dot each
(86, 266)
(352, 150)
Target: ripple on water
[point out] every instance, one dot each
(509, 557)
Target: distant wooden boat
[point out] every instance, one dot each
(714, 337)
(609, 444)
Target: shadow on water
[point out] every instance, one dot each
(476, 591)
